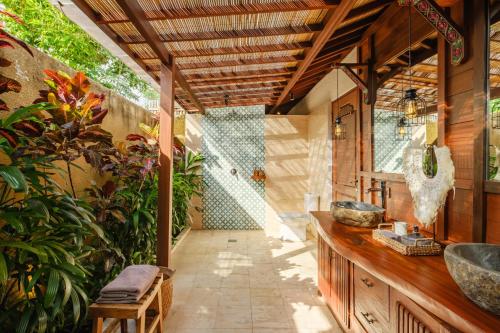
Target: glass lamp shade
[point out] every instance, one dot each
(403, 130)
(413, 108)
(339, 130)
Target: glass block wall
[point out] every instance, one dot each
(233, 139)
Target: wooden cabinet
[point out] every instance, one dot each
(372, 289)
(339, 289)
(371, 301)
(408, 317)
(333, 282)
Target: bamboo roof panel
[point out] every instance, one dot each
(179, 47)
(109, 10)
(238, 22)
(240, 38)
(158, 8)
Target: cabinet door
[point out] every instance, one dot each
(324, 269)
(408, 317)
(340, 291)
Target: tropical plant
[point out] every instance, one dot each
(73, 120)
(43, 233)
(187, 182)
(49, 30)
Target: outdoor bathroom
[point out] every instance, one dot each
(249, 166)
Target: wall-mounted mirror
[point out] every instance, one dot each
(392, 131)
(494, 102)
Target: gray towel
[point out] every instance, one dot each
(130, 285)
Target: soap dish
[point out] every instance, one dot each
(405, 245)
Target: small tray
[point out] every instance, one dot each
(404, 245)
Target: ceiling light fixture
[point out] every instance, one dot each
(413, 107)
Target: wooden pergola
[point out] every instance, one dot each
(209, 54)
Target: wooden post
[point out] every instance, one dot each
(166, 142)
(480, 43)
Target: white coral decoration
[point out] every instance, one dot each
(429, 194)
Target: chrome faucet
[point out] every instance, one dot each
(381, 189)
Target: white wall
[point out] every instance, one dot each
(318, 104)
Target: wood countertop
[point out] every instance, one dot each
(423, 279)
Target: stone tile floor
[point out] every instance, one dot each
(246, 282)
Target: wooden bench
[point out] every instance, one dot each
(139, 311)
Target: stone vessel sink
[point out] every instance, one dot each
(475, 267)
(358, 214)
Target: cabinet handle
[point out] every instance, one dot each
(366, 315)
(367, 282)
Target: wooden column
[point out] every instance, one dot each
(166, 142)
(480, 43)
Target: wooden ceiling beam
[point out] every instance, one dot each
(134, 12)
(243, 103)
(243, 9)
(224, 88)
(230, 82)
(242, 49)
(240, 62)
(335, 17)
(233, 99)
(251, 90)
(239, 74)
(204, 97)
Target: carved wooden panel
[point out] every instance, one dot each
(340, 287)
(324, 269)
(408, 323)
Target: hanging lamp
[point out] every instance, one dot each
(412, 106)
(339, 132)
(403, 130)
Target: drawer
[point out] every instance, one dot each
(371, 320)
(371, 301)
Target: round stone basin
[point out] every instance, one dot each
(358, 214)
(475, 267)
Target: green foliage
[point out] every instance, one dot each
(49, 30)
(187, 182)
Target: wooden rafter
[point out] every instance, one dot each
(134, 11)
(230, 82)
(261, 85)
(240, 62)
(335, 17)
(238, 95)
(239, 74)
(242, 49)
(243, 9)
(221, 94)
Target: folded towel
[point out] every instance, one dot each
(130, 285)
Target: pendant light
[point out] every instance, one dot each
(411, 105)
(339, 132)
(403, 130)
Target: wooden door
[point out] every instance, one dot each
(344, 151)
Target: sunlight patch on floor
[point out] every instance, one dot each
(255, 284)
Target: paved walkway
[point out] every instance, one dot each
(245, 282)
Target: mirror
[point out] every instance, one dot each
(391, 134)
(494, 102)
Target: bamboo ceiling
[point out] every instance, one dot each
(236, 52)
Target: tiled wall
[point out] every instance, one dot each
(233, 138)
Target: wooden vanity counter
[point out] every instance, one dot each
(424, 280)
